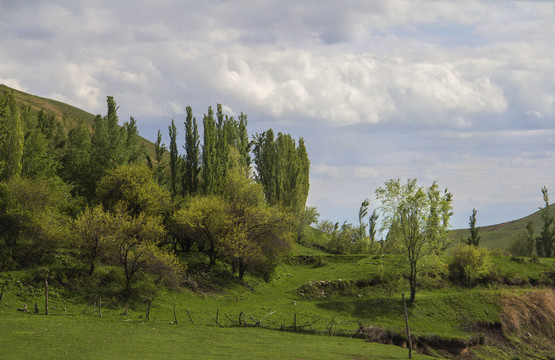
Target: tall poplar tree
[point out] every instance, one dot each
(209, 155)
(107, 146)
(192, 155)
(173, 158)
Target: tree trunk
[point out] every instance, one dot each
(46, 297)
(242, 268)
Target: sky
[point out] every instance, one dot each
(458, 92)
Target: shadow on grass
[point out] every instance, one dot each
(364, 308)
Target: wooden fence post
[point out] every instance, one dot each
(407, 324)
(46, 297)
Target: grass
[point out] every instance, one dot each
(449, 312)
(499, 236)
(25, 336)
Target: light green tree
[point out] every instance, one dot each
(416, 219)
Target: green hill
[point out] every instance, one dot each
(64, 113)
(499, 236)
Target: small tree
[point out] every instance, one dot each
(547, 236)
(469, 263)
(208, 221)
(474, 238)
(94, 229)
(417, 220)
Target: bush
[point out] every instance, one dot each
(469, 264)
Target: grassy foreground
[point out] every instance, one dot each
(26, 336)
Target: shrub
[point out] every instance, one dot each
(469, 264)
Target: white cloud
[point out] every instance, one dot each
(432, 89)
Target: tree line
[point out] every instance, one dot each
(95, 191)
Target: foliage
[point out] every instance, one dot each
(192, 155)
(474, 238)
(283, 169)
(33, 211)
(174, 156)
(259, 235)
(417, 220)
(94, 229)
(524, 244)
(208, 220)
(11, 137)
(545, 244)
(133, 185)
(469, 263)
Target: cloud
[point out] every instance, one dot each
(459, 91)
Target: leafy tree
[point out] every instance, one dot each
(192, 155)
(75, 159)
(308, 217)
(259, 234)
(469, 263)
(474, 238)
(362, 213)
(209, 154)
(545, 244)
(416, 218)
(11, 137)
(107, 147)
(159, 150)
(95, 230)
(33, 210)
(208, 221)
(326, 226)
(342, 238)
(265, 159)
(372, 227)
(38, 159)
(135, 244)
(133, 148)
(135, 187)
(283, 169)
(525, 244)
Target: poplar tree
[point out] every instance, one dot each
(547, 236)
(107, 146)
(159, 150)
(283, 169)
(192, 155)
(173, 158)
(209, 157)
(474, 238)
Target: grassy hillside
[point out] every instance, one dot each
(66, 114)
(500, 236)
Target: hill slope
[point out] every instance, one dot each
(499, 236)
(66, 114)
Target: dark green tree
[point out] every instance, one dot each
(474, 238)
(545, 243)
(209, 154)
(107, 146)
(11, 137)
(174, 156)
(192, 155)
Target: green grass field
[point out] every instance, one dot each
(25, 336)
